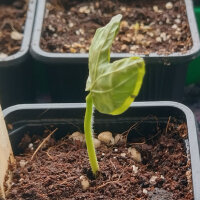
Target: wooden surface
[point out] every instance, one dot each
(6, 156)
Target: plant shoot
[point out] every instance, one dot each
(112, 86)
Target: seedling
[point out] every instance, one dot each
(112, 86)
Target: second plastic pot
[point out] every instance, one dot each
(165, 75)
(36, 118)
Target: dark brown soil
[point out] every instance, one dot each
(147, 26)
(12, 20)
(55, 171)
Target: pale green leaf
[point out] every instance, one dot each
(113, 86)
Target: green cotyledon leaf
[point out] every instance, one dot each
(113, 86)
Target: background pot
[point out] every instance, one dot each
(164, 80)
(193, 74)
(196, 2)
(16, 71)
(36, 117)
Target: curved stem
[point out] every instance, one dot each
(88, 135)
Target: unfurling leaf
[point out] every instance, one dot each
(113, 86)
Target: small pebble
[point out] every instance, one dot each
(158, 39)
(118, 138)
(72, 50)
(145, 191)
(189, 176)
(163, 36)
(3, 55)
(77, 32)
(16, 35)
(123, 155)
(51, 28)
(178, 21)
(134, 47)
(169, 5)
(174, 26)
(124, 24)
(162, 177)
(115, 150)
(22, 163)
(84, 9)
(135, 169)
(30, 146)
(82, 32)
(103, 154)
(136, 155)
(155, 8)
(168, 21)
(84, 182)
(124, 47)
(71, 24)
(21, 179)
(153, 180)
(106, 137)
(97, 143)
(77, 136)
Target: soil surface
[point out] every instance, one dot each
(147, 26)
(56, 171)
(12, 20)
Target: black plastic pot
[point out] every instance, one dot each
(165, 76)
(16, 74)
(196, 2)
(69, 117)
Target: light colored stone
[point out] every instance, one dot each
(84, 182)
(124, 47)
(145, 191)
(169, 5)
(153, 180)
(124, 24)
(77, 136)
(123, 154)
(82, 50)
(22, 163)
(77, 32)
(158, 39)
(168, 21)
(30, 146)
(3, 55)
(71, 24)
(136, 155)
(16, 35)
(135, 169)
(51, 28)
(162, 177)
(174, 26)
(178, 21)
(163, 35)
(84, 9)
(97, 143)
(189, 176)
(155, 8)
(118, 138)
(106, 137)
(134, 47)
(73, 50)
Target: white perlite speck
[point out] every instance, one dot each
(169, 5)
(3, 55)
